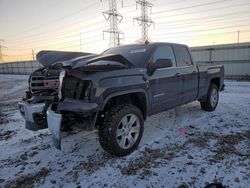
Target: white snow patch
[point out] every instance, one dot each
(165, 158)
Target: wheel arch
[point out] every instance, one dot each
(137, 97)
(216, 81)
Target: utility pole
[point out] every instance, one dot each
(144, 21)
(33, 55)
(1, 53)
(80, 42)
(238, 37)
(114, 18)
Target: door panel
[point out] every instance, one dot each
(165, 89)
(189, 84)
(189, 74)
(165, 84)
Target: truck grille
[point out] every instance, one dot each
(76, 88)
(42, 83)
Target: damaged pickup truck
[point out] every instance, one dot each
(114, 92)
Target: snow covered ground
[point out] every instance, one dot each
(216, 148)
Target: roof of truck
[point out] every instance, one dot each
(154, 44)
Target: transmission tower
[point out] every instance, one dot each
(114, 18)
(144, 21)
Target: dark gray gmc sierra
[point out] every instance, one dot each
(114, 92)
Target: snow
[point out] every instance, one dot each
(216, 147)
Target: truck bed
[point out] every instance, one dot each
(206, 72)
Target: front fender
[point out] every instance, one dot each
(132, 91)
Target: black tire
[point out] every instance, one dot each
(108, 125)
(211, 103)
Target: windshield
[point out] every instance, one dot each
(105, 62)
(136, 54)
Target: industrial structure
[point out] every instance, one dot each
(234, 57)
(114, 18)
(144, 21)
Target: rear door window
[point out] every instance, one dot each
(182, 56)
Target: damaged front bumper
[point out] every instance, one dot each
(30, 113)
(54, 121)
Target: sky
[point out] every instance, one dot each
(29, 26)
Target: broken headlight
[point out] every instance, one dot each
(61, 77)
(76, 88)
(86, 89)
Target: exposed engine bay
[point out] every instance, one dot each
(44, 84)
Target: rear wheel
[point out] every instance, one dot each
(212, 99)
(121, 129)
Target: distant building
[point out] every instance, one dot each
(234, 57)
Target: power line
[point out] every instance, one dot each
(202, 30)
(203, 35)
(68, 26)
(50, 45)
(45, 33)
(193, 6)
(76, 35)
(76, 41)
(215, 17)
(56, 20)
(34, 42)
(78, 32)
(196, 35)
(208, 10)
(209, 21)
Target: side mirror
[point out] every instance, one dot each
(160, 63)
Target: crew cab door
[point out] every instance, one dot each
(165, 84)
(189, 74)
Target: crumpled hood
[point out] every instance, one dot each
(49, 58)
(76, 59)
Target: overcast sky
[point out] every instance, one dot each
(57, 24)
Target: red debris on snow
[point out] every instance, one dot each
(182, 131)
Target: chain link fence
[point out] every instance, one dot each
(23, 67)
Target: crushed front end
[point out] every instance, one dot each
(73, 107)
(59, 100)
(43, 87)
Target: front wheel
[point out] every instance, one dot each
(121, 129)
(212, 99)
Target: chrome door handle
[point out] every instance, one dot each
(178, 74)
